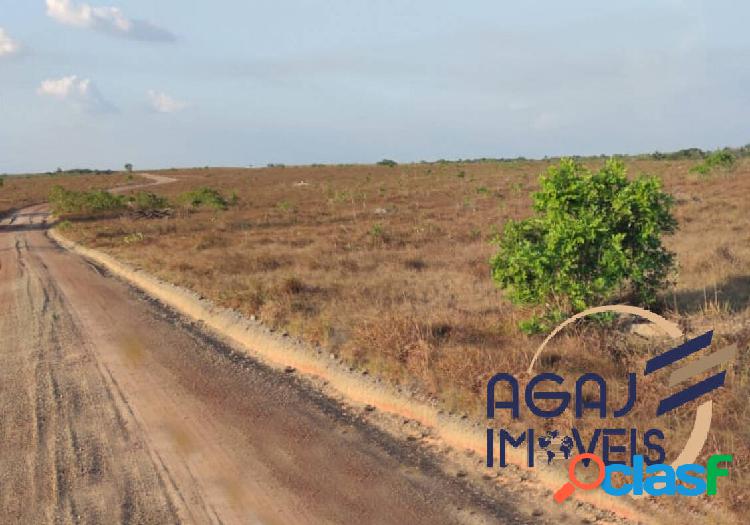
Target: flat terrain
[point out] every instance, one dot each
(115, 411)
(387, 268)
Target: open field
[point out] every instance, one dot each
(387, 267)
(19, 191)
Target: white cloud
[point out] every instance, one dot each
(81, 93)
(8, 46)
(106, 19)
(163, 103)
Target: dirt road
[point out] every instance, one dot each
(115, 410)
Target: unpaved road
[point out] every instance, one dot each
(115, 410)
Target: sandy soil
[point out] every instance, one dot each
(115, 410)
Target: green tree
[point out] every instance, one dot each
(594, 235)
(128, 167)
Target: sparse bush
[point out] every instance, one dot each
(67, 202)
(204, 196)
(145, 201)
(719, 159)
(594, 234)
(388, 162)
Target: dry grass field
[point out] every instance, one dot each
(19, 191)
(387, 267)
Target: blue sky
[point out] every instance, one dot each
(176, 83)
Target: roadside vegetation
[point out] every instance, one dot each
(595, 238)
(390, 268)
(70, 203)
(19, 191)
(101, 203)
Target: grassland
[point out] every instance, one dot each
(18, 191)
(387, 268)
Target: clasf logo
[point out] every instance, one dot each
(662, 479)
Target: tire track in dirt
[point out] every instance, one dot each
(58, 412)
(117, 410)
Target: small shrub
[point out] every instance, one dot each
(594, 234)
(145, 201)
(388, 162)
(204, 197)
(701, 169)
(719, 159)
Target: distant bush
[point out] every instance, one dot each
(719, 159)
(80, 171)
(683, 154)
(204, 197)
(593, 235)
(68, 202)
(145, 201)
(388, 162)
